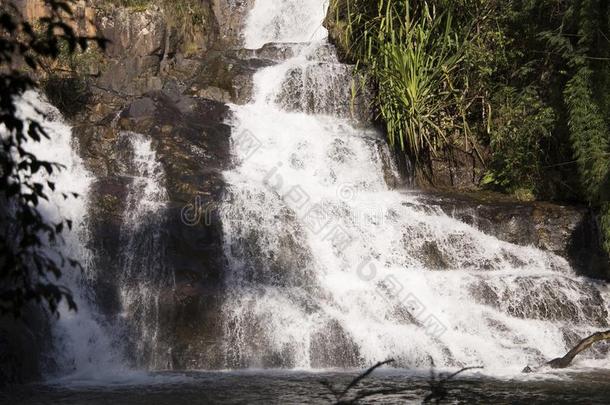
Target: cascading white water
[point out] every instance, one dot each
(83, 347)
(285, 21)
(143, 270)
(331, 267)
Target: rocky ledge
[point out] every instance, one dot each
(568, 231)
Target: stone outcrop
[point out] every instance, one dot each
(231, 17)
(171, 87)
(192, 144)
(568, 231)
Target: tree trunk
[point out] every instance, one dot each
(565, 361)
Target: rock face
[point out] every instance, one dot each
(170, 85)
(231, 17)
(192, 144)
(568, 231)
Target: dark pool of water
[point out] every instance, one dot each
(279, 387)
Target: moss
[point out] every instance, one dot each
(524, 194)
(337, 29)
(135, 5)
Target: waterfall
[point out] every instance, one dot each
(82, 345)
(329, 266)
(143, 271)
(86, 343)
(285, 21)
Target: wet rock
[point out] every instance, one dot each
(568, 231)
(142, 107)
(167, 83)
(191, 321)
(459, 168)
(403, 315)
(484, 293)
(333, 347)
(552, 300)
(432, 257)
(228, 78)
(272, 52)
(194, 154)
(191, 142)
(231, 17)
(326, 88)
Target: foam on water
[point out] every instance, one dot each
(285, 21)
(331, 267)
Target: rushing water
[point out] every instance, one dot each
(82, 345)
(331, 267)
(143, 271)
(88, 345)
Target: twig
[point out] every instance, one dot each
(438, 391)
(339, 395)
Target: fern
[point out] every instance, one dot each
(588, 133)
(589, 129)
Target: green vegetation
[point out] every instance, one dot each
(411, 54)
(69, 94)
(136, 5)
(184, 15)
(522, 85)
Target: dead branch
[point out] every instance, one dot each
(438, 390)
(340, 394)
(565, 361)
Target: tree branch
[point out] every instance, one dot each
(565, 361)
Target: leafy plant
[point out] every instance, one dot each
(69, 94)
(523, 86)
(412, 55)
(521, 124)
